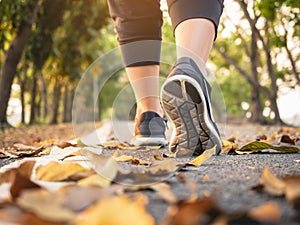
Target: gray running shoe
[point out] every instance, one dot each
(186, 100)
(149, 130)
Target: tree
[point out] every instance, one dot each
(258, 50)
(23, 23)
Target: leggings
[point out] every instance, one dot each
(138, 21)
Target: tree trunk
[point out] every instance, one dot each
(272, 75)
(256, 104)
(22, 91)
(44, 98)
(32, 100)
(55, 102)
(12, 59)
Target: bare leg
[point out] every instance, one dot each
(145, 83)
(194, 38)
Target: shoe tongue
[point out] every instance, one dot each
(149, 115)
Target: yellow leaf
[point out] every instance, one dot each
(272, 184)
(55, 171)
(292, 190)
(103, 165)
(228, 146)
(268, 213)
(162, 167)
(115, 211)
(95, 180)
(46, 205)
(203, 157)
(123, 158)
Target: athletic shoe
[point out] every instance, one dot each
(149, 130)
(186, 100)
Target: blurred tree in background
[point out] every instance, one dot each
(259, 40)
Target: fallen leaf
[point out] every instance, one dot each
(163, 167)
(292, 190)
(262, 137)
(55, 171)
(19, 178)
(228, 146)
(201, 211)
(78, 198)
(103, 165)
(203, 157)
(95, 180)
(73, 154)
(117, 210)
(20, 150)
(157, 157)
(64, 145)
(123, 158)
(231, 139)
(11, 214)
(287, 139)
(272, 184)
(164, 191)
(46, 205)
(141, 162)
(268, 213)
(257, 146)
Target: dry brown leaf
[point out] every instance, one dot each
(117, 210)
(201, 211)
(272, 184)
(164, 191)
(20, 183)
(65, 145)
(78, 198)
(48, 206)
(13, 214)
(95, 180)
(203, 157)
(292, 190)
(140, 162)
(55, 171)
(19, 178)
(287, 139)
(268, 213)
(228, 146)
(103, 165)
(157, 157)
(21, 150)
(73, 154)
(123, 158)
(231, 139)
(163, 167)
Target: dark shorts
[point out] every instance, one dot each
(139, 20)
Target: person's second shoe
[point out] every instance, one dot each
(149, 130)
(186, 100)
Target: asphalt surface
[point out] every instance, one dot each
(230, 178)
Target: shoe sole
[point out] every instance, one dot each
(184, 102)
(149, 141)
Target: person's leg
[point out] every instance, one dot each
(194, 38)
(138, 25)
(144, 81)
(186, 93)
(195, 25)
